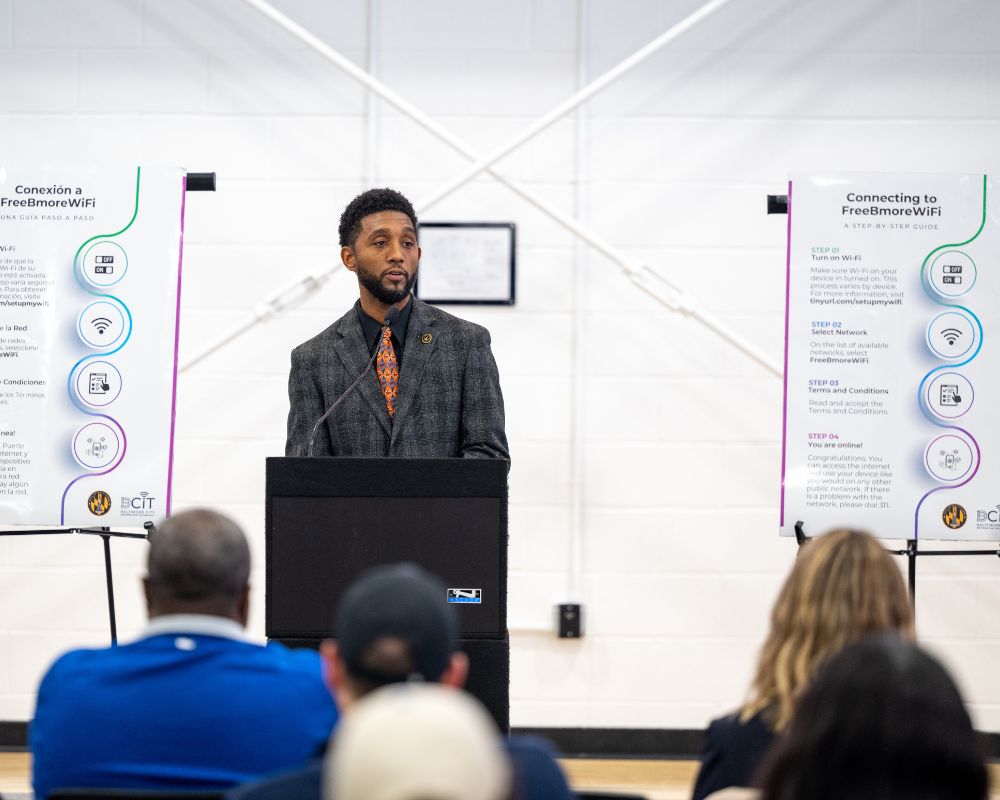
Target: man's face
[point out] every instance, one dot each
(385, 256)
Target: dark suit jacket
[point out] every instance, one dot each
(732, 753)
(537, 776)
(449, 403)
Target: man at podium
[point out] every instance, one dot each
(434, 391)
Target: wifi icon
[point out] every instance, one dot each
(951, 335)
(102, 324)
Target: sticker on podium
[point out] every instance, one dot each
(465, 595)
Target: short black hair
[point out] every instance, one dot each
(883, 719)
(370, 202)
(198, 555)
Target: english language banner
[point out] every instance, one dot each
(892, 385)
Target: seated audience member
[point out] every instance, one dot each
(394, 626)
(843, 587)
(881, 721)
(191, 704)
(417, 742)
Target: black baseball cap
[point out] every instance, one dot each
(402, 601)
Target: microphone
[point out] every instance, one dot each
(390, 317)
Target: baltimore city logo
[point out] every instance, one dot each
(954, 516)
(99, 503)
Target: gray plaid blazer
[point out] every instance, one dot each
(449, 402)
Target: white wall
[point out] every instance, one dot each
(680, 438)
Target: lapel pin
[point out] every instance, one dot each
(426, 338)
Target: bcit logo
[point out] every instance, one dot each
(954, 516)
(465, 595)
(142, 505)
(99, 503)
(988, 519)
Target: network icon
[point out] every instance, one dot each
(951, 335)
(102, 324)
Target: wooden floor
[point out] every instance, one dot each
(15, 769)
(656, 780)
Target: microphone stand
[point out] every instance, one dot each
(390, 317)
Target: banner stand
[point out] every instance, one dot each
(778, 204)
(196, 182)
(911, 552)
(105, 534)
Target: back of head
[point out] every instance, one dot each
(883, 720)
(371, 202)
(417, 742)
(844, 586)
(199, 562)
(394, 624)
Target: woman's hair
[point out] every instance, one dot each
(882, 721)
(843, 587)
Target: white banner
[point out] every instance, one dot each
(891, 379)
(90, 262)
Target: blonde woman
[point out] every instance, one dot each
(843, 587)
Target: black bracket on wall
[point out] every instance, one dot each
(200, 182)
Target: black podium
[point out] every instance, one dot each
(329, 519)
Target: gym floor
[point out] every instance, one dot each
(657, 780)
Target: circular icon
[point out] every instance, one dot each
(96, 445)
(949, 458)
(104, 264)
(99, 503)
(101, 324)
(951, 335)
(98, 383)
(954, 516)
(949, 395)
(952, 273)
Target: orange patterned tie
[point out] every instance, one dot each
(388, 371)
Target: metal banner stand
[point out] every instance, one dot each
(911, 552)
(196, 182)
(105, 534)
(778, 204)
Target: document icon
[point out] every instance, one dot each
(99, 383)
(950, 395)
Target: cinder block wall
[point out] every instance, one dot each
(678, 434)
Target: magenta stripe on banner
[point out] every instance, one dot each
(177, 338)
(784, 377)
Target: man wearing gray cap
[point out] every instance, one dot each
(394, 625)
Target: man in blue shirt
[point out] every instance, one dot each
(394, 625)
(192, 704)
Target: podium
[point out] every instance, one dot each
(329, 519)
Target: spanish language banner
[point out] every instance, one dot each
(892, 386)
(90, 262)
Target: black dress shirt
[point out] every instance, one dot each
(372, 330)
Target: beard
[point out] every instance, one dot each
(385, 294)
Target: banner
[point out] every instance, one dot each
(90, 264)
(891, 372)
